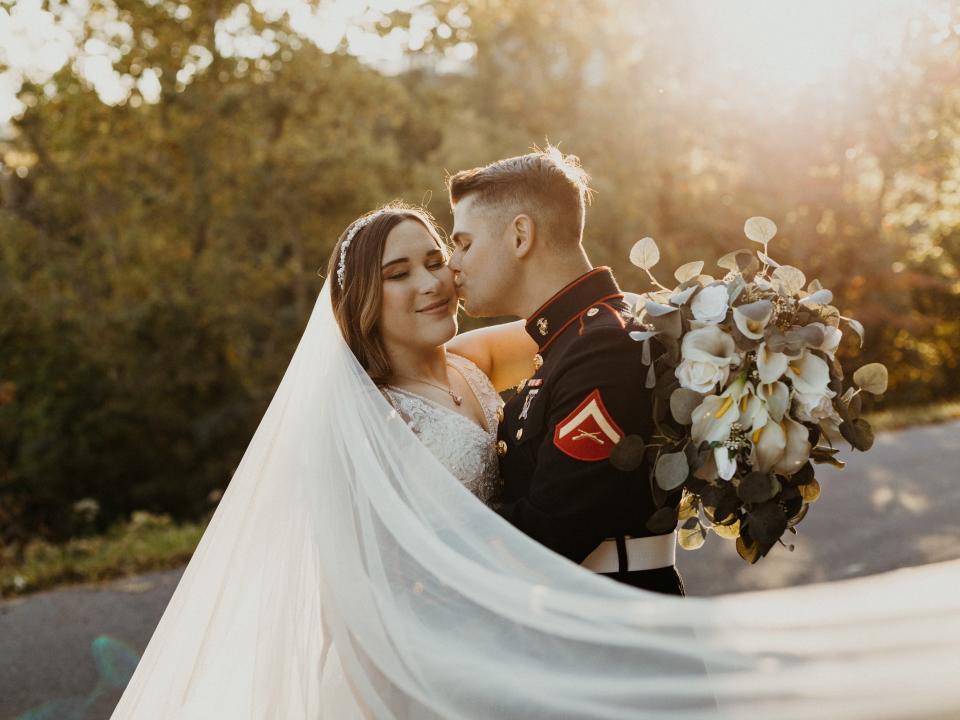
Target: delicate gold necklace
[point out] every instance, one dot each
(458, 399)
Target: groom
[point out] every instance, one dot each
(518, 228)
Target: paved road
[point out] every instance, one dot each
(895, 507)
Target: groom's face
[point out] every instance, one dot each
(483, 267)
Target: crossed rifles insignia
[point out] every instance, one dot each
(584, 435)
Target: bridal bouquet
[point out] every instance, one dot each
(747, 395)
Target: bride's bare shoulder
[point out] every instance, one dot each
(503, 352)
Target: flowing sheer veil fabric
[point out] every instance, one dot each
(346, 572)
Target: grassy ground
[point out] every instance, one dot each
(154, 542)
(912, 416)
(147, 542)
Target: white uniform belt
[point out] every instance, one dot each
(646, 553)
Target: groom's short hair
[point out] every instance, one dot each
(546, 184)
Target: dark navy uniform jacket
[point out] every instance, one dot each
(557, 433)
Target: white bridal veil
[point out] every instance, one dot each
(344, 561)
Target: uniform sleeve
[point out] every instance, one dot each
(575, 490)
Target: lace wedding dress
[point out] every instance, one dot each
(467, 450)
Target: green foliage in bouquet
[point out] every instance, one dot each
(747, 394)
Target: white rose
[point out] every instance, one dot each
(710, 304)
(707, 356)
(814, 408)
(701, 376)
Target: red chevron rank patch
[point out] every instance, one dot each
(588, 433)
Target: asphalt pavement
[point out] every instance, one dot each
(66, 654)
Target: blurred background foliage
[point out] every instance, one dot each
(159, 249)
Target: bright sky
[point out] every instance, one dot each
(772, 42)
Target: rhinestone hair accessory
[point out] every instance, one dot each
(358, 225)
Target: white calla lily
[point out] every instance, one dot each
(752, 319)
(782, 447)
(776, 398)
(712, 419)
(831, 340)
(809, 374)
(770, 365)
(726, 465)
(797, 448)
(768, 446)
(754, 413)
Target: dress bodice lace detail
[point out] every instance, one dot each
(467, 450)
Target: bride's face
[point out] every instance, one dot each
(419, 300)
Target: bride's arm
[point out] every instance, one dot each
(504, 352)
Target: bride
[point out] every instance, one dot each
(350, 569)
(396, 305)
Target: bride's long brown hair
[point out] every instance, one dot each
(357, 305)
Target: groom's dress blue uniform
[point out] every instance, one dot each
(557, 433)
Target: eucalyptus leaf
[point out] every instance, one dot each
(728, 532)
(661, 498)
(663, 521)
(789, 279)
(734, 288)
(664, 318)
(671, 470)
(729, 261)
(689, 506)
(872, 378)
(806, 473)
(655, 309)
(795, 520)
(820, 297)
(747, 263)
(681, 296)
(855, 406)
(849, 432)
(767, 522)
(692, 534)
(864, 434)
(645, 253)
(627, 455)
(688, 270)
(830, 460)
(857, 327)
(683, 402)
(726, 510)
(810, 491)
(767, 259)
(760, 229)
(749, 551)
(758, 487)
